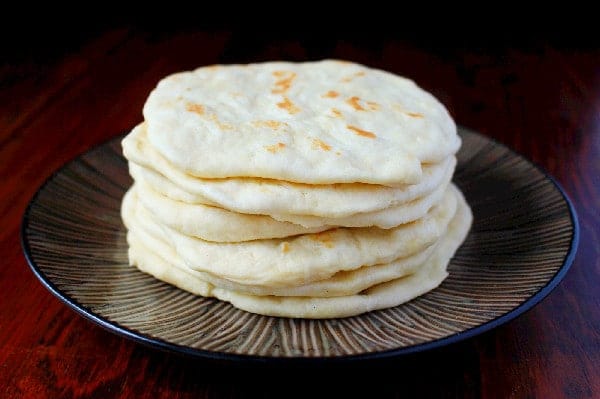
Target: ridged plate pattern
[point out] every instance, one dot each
(522, 242)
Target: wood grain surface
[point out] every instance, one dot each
(541, 100)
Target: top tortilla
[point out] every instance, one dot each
(317, 123)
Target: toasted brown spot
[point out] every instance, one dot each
(275, 125)
(324, 238)
(331, 94)
(354, 103)
(373, 105)
(285, 247)
(336, 112)
(283, 84)
(321, 144)
(221, 125)
(414, 114)
(361, 132)
(288, 106)
(275, 147)
(195, 108)
(357, 74)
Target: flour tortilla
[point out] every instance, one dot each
(265, 196)
(211, 223)
(385, 218)
(389, 294)
(302, 259)
(144, 246)
(317, 123)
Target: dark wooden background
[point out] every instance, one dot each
(64, 91)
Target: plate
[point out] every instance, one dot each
(522, 242)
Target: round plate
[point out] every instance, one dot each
(522, 242)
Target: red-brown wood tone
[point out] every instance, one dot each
(543, 102)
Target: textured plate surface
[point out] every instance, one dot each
(522, 242)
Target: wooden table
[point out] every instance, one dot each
(543, 101)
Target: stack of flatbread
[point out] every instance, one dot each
(312, 190)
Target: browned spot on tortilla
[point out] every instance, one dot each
(357, 74)
(354, 103)
(324, 238)
(331, 94)
(336, 112)
(283, 84)
(221, 125)
(285, 247)
(213, 67)
(275, 147)
(414, 114)
(361, 132)
(321, 144)
(373, 105)
(288, 106)
(275, 125)
(195, 108)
